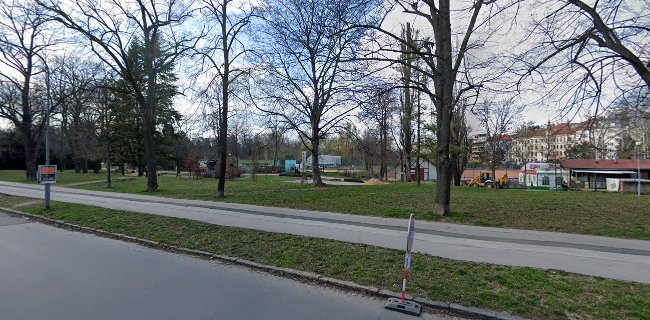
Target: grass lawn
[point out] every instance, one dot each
(584, 212)
(525, 292)
(63, 178)
(11, 201)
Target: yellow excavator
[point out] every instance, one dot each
(486, 180)
(502, 182)
(482, 180)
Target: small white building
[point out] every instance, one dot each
(324, 161)
(542, 174)
(427, 170)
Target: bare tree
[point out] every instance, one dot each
(254, 146)
(366, 143)
(585, 49)
(306, 79)
(459, 149)
(276, 135)
(106, 117)
(77, 116)
(498, 118)
(378, 113)
(111, 27)
(443, 60)
(222, 51)
(407, 98)
(633, 113)
(23, 42)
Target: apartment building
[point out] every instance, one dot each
(478, 143)
(554, 141)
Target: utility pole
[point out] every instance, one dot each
(525, 154)
(638, 169)
(107, 139)
(47, 136)
(417, 165)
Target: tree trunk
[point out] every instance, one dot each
(455, 171)
(443, 163)
(383, 171)
(407, 107)
(30, 157)
(30, 144)
(444, 87)
(407, 160)
(149, 154)
(109, 179)
(455, 176)
(443, 166)
(148, 109)
(223, 128)
(84, 165)
(315, 166)
(406, 152)
(223, 150)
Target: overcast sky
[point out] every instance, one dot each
(499, 43)
(502, 42)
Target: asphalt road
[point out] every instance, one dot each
(622, 259)
(49, 273)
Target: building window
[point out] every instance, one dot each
(546, 181)
(558, 181)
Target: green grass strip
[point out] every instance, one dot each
(583, 212)
(527, 292)
(63, 178)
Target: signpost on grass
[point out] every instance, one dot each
(47, 176)
(407, 258)
(47, 172)
(403, 305)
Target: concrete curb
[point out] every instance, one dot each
(453, 308)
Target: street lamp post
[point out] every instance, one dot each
(638, 169)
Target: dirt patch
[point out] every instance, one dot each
(26, 203)
(374, 182)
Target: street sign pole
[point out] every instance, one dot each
(403, 305)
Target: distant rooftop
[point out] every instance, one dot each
(555, 129)
(622, 164)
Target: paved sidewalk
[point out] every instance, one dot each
(591, 255)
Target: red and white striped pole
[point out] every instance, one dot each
(404, 285)
(407, 258)
(404, 306)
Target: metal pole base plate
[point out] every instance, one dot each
(408, 307)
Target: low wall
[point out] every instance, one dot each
(469, 174)
(630, 186)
